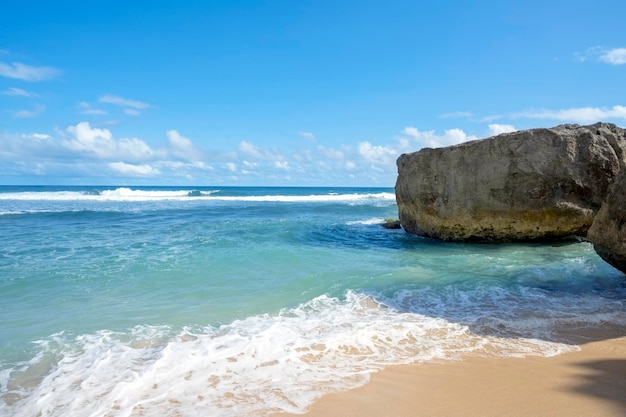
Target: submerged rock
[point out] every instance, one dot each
(528, 185)
(608, 231)
(392, 224)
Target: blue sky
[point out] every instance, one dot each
(289, 92)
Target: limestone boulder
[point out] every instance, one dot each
(608, 230)
(528, 185)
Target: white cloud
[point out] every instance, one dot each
(134, 170)
(100, 143)
(86, 108)
(18, 92)
(376, 153)
(201, 165)
(308, 135)
(330, 152)
(255, 152)
(178, 141)
(456, 114)
(27, 114)
(615, 56)
(182, 147)
(132, 112)
(497, 129)
(27, 148)
(95, 112)
(577, 115)
(250, 149)
(41, 136)
(124, 102)
(432, 140)
(27, 73)
(490, 118)
(83, 149)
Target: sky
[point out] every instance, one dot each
(288, 92)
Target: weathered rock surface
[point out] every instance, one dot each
(608, 231)
(527, 185)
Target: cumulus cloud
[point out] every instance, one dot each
(28, 114)
(24, 72)
(432, 140)
(99, 143)
(134, 170)
(28, 147)
(98, 151)
(182, 147)
(377, 153)
(87, 143)
(497, 129)
(84, 151)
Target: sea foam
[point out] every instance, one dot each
(255, 366)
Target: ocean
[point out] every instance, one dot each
(235, 301)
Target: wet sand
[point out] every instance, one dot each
(587, 383)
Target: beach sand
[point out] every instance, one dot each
(587, 383)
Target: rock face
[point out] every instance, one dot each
(608, 231)
(527, 185)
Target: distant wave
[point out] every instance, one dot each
(128, 194)
(117, 194)
(22, 212)
(311, 198)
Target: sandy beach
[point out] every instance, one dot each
(589, 382)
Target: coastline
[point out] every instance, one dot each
(588, 382)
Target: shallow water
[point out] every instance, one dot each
(246, 301)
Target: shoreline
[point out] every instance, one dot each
(588, 382)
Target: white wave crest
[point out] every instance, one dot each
(367, 222)
(128, 194)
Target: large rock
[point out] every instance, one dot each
(608, 231)
(526, 185)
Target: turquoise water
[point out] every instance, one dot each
(246, 301)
